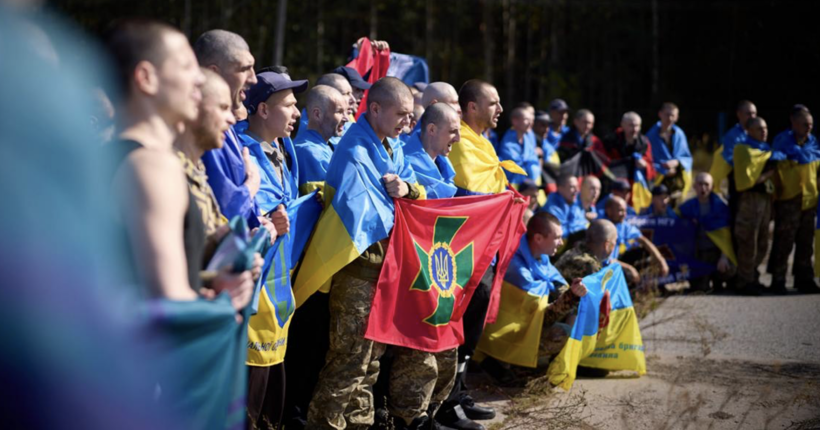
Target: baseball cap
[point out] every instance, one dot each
(353, 77)
(558, 104)
(660, 190)
(621, 185)
(542, 116)
(269, 83)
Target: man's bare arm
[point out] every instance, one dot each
(153, 200)
(655, 254)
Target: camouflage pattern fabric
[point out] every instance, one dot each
(419, 379)
(793, 227)
(751, 233)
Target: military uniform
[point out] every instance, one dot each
(751, 233)
(792, 227)
(578, 262)
(344, 394)
(418, 380)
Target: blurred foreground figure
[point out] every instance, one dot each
(197, 336)
(68, 357)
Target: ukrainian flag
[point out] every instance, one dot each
(358, 212)
(716, 223)
(680, 151)
(723, 158)
(478, 170)
(798, 172)
(515, 335)
(750, 157)
(275, 304)
(641, 195)
(617, 346)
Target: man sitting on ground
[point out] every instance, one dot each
(713, 244)
(521, 334)
(660, 203)
(632, 245)
(563, 205)
(590, 191)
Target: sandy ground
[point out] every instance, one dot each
(713, 362)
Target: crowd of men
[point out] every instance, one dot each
(205, 138)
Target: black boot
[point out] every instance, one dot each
(455, 418)
(474, 411)
(806, 285)
(501, 374)
(778, 287)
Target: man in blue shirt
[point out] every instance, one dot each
(559, 113)
(232, 177)
(427, 150)
(327, 117)
(518, 144)
(629, 238)
(564, 206)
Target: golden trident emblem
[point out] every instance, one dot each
(442, 274)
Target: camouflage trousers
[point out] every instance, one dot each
(751, 233)
(344, 393)
(418, 379)
(793, 228)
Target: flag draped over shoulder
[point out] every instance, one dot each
(209, 388)
(358, 212)
(612, 343)
(436, 176)
(372, 65)
(516, 334)
(715, 223)
(723, 157)
(478, 170)
(275, 303)
(313, 154)
(750, 157)
(438, 253)
(680, 151)
(798, 172)
(523, 154)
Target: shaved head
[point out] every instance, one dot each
(219, 48)
(439, 114)
(542, 223)
(389, 92)
(600, 231)
(336, 81)
(438, 92)
(214, 84)
(323, 97)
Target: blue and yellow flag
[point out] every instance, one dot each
(723, 158)
(715, 223)
(798, 172)
(478, 170)
(680, 151)
(641, 193)
(523, 154)
(358, 212)
(313, 155)
(275, 303)
(272, 190)
(610, 342)
(435, 175)
(750, 157)
(516, 334)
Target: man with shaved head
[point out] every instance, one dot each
(233, 177)
(580, 137)
(478, 172)
(531, 274)
(713, 243)
(627, 151)
(564, 206)
(339, 83)
(420, 381)
(795, 207)
(629, 239)
(518, 145)
(368, 168)
(755, 164)
(592, 254)
(590, 192)
(327, 117)
(441, 92)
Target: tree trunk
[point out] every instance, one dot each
(320, 37)
(509, 69)
(428, 33)
(374, 20)
(489, 41)
(655, 51)
(281, 20)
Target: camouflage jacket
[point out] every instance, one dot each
(578, 262)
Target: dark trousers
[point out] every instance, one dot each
(308, 342)
(474, 318)
(266, 396)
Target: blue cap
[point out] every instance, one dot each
(660, 190)
(558, 104)
(269, 83)
(353, 77)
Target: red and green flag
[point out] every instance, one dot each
(438, 252)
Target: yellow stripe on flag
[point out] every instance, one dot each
(516, 334)
(563, 368)
(749, 164)
(619, 345)
(720, 169)
(641, 197)
(722, 238)
(330, 249)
